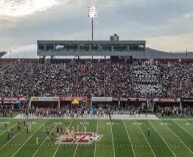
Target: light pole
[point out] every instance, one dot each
(92, 13)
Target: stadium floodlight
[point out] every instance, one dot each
(92, 13)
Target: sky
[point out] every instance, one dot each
(165, 24)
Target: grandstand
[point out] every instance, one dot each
(133, 73)
(125, 81)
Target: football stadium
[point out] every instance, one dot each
(102, 97)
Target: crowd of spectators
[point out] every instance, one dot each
(74, 79)
(147, 80)
(177, 80)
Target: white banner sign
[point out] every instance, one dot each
(102, 99)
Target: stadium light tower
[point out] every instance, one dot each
(92, 13)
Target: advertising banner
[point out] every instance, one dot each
(12, 99)
(169, 100)
(187, 100)
(102, 99)
(44, 99)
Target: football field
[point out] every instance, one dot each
(119, 138)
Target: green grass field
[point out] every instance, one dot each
(121, 138)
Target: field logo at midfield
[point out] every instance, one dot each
(79, 138)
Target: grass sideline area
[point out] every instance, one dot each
(174, 116)
(119, 138)
(14, 114)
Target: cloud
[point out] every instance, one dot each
(20, 8)
(151, 20)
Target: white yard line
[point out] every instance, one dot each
(147, 141)
(77, 145)
(113, 140)
(129, 138)
(182, 128)
(162, 138)
(95, 141)
(179, 139)
(11, 139)
(42, 144)
(56, 150)
(27, 140)
(75, 151)
(59, 143)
